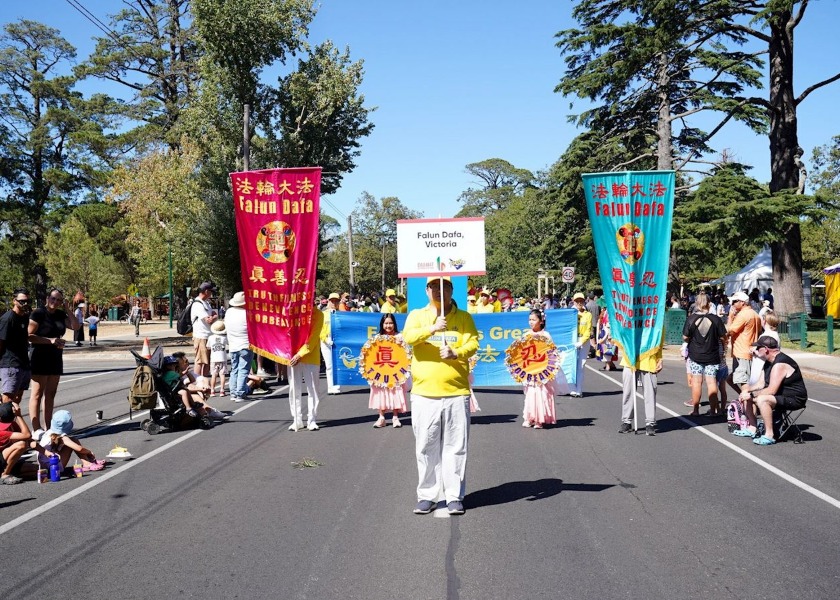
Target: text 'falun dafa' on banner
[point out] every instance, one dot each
(427, 247)
(277, 214)
(631, 214)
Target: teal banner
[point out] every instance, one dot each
(631, 214)
(496, 332)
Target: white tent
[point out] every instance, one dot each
(758, 273)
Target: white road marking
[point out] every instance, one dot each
(764, 465)
(65, 380)
(104, 477)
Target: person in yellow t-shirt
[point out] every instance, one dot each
(442, 342)
(390, 304)
(327, 343)
(582, 344)
(648, 366)
(484, 304)
(306, 365)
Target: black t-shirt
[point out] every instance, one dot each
(704, 331)
(14, 331)
(50, 325)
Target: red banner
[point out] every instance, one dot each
(277, 213)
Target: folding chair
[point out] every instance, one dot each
(786, 421)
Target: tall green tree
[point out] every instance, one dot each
(46, 165)
(499, 184)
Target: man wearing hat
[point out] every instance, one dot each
(202, 317)
(744, 327)
(484, 304)
(443, 339)
(782, 386)
(471, 306)
(582, 345)
(390, 305)
(327, 343)
(241, 355)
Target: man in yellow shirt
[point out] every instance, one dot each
(484, 304)
(442, 343)
(306, 365)
(647, 367)
(582, 344)
(390, 305)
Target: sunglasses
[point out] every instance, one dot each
(56, 298)
(25, 301)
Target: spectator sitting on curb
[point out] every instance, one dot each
(14, 438)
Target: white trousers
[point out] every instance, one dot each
(441, 432)
(580, 365)
(304, 374)
(326, 352)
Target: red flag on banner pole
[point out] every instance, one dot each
(277, 215)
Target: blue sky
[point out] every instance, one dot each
(460, 82)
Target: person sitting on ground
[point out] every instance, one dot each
(14, 440)
(57, 440)
(783, 386)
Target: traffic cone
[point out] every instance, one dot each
(145, 352)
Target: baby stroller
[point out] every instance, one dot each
(148, 391)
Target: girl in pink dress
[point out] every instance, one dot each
(386, 399)
(539, 397)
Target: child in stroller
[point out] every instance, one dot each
(171, 412)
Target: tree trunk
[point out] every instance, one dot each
(664, 151)
(784, 173)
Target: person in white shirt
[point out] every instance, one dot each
(241, 355)
(202, 317)
(218, 344)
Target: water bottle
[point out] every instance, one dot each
(55, 467)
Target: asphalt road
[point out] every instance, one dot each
(576, 511)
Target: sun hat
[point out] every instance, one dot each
(238, 299)
(484, 292)
(218, 327)
(334, 296)
(390, 292)
(435, 278)
(61, 423)
(578, 296)
(739, 296)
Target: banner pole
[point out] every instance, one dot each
(635, 399)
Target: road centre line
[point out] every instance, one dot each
(105, 477)
(765, 465)
(85, 377)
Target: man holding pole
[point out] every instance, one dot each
(443, 338)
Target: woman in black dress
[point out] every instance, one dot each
(46, 334)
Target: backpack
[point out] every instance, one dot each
(185, 324)
(142, 394)
(736, 416)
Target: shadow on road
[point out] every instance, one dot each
(527, 490)
(11, 503)
(585, 422)
(492, 419)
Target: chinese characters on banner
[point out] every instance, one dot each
(277, 212)
(631, 215)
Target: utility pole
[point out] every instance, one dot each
(350, 255)
(246, 139)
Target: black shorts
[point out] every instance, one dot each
(790, 402)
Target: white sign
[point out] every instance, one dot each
(568, 274)
(427, 247)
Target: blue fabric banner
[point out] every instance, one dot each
(496, 331)
(631, 214)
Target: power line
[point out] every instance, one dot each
(102, 26)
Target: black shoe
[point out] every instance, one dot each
(625, 428)
(650, 429)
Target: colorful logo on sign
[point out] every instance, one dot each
(533, 359)
(276, 241)
(631, 242)
(385, 361)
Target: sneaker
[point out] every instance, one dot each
(527, 424)
(191, 412)
(576, 395)
(262, 373)
(424, 507)
(625, 428)
(218, 415)
(333, 391)
(538, 426)
(396, 422)
(237, 399)
(650, 429)
(313, 426)
(259, 392)
(455, 508)
(294, 427)
(380, 423)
